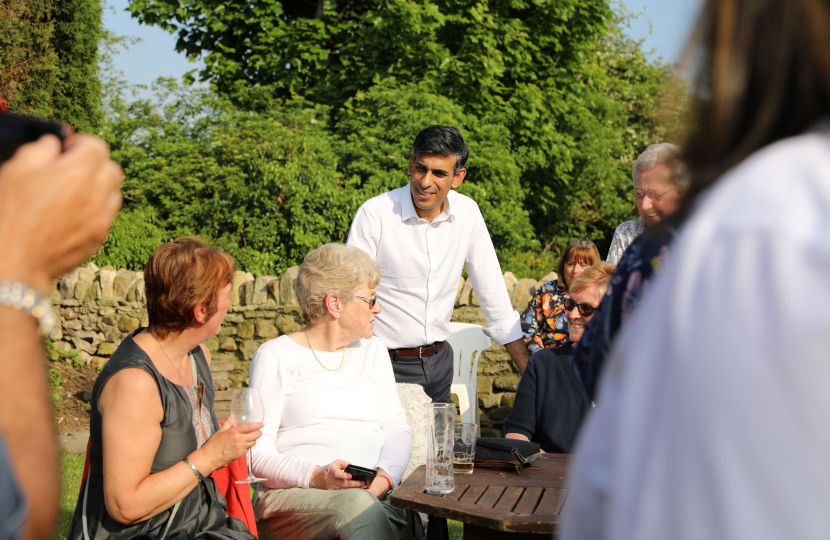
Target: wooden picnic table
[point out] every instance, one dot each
(495, 504)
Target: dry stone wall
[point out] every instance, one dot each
(98, 307)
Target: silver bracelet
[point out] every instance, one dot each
(21, 296)
(199, 476)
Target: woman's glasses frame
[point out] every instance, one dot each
(371, 300)
(586, 310)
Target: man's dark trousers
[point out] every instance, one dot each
(433, 372)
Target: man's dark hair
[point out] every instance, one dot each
(443, 141)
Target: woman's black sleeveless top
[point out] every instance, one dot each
(203, 512)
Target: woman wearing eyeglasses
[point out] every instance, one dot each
(544, 324)
(660, 180)
(550, 400)
(154, 436)
(330, 401)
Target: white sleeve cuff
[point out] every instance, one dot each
(507, 331)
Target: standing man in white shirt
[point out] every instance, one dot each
(422, 235)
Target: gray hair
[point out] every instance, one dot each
(333, 269)
(663, 154)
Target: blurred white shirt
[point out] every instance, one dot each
(421, 263)
(713, 413)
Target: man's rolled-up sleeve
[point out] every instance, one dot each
(482, 265)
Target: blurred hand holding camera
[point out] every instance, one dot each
(55, 207)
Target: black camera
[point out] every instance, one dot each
(19, 129)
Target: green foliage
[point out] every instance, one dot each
(48, 59)
(28, 62)
(262, 186)
(555, 102)
(70, 356)
(54, 378)
(133, 237)
(376, 130)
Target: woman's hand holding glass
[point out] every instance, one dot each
(230, 443)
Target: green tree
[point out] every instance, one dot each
(49, 59)
(262, 186)
(376, 130)
(556, 101)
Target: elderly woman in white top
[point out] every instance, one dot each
(660, 180)
(330, 401)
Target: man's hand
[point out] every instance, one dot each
(519, 353)
(55, 208)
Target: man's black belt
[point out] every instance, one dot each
(418, 352)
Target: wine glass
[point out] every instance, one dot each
(246, 407)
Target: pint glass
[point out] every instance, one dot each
(439, 421)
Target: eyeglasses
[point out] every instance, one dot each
(586, 310)
(653, 195)
(372, 301)
(587, 244)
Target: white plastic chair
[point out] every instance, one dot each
(467, 341)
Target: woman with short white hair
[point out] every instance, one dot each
(660, 180)
(330, 401)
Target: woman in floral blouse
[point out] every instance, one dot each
(543, 321)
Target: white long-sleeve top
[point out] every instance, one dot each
(421, 263)
(713, 412)
(314, 416)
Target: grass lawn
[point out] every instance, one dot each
(72, 466)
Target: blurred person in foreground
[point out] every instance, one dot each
(713, 406)
(550, 400)
(544, 323)
(55, 210)
(330, 400)
(660, 179)
(154, 438)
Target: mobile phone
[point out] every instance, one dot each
(361, 473)
(19, 129)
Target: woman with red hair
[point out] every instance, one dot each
(154, 435)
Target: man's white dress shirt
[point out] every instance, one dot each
(713, 412)
(421, 263)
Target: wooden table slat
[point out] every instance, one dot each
(473, 494)
(551, 503)
(510, 498)
(491, 496)
(529, 501)
(506, 504)
(457, 493)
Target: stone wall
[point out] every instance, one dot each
(97, 308)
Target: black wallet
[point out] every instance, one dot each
(507, 454)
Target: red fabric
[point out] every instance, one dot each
(237, 495)
(86, 467)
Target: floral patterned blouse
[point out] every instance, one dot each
(644, 259)
(543, 322)
(626, 232)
